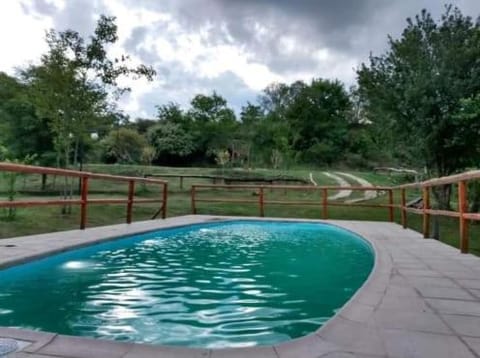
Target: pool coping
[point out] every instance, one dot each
(339, 335)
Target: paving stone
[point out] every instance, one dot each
(470, 283)
(401, 291)
(418, 281)
(79, 347)
(415, 321)
(405, 304)
(369, 298)
(353, 336)
(309, 346)
(37, 339)
(461, 274)
(388, 315)
(31, 355)
(344, 355)
(444, 292)
(455, 306)
(257, 352)
(419, 272)
(474, 344)
(408, 344)
(148, 351)
(464, 325)
(357, 312)
(475, 292)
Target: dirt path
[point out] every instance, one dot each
(340, 182)
(367, 195)
(342, 194)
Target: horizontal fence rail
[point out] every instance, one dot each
(262, 201)
(84, 200)
(461, 181)
(426, 210)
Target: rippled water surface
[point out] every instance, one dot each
(222, 284)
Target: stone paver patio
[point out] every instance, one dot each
(421, 300)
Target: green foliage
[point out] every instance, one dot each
(414, 92)
(70, 86)
(148, 154)
(10, 179)
(318, 122)
(123, 146)
(21, 130)
(170, 140)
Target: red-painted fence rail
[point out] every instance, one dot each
(262, 201)
(85, 201)
(459, 180)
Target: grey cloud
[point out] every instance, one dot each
(41, 7)
(180, 88)
(350, 27)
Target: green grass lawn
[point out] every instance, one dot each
(49, 219)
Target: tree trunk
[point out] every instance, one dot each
(442, 194)
(44, 182)
(474, 197)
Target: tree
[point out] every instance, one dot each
(124, 146)
(172, 112)
(318, 121)
(70, 87)
(148, 155)
(416, 88)
(213, 124)
(21, 130)
(468, 117)
(170, 141)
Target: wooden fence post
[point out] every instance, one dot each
(194, 208)
(261, 202)
(404, 208)
(426, 216)
(165, 200)
(325, 203)
(83, 205)
(131, 193)
(390, 205)
(463, 208)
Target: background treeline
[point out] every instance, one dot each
(416, 105)
(304, 123)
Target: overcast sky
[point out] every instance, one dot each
(236, 47)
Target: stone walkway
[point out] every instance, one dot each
(421, 300)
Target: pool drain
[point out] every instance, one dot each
(7, 346)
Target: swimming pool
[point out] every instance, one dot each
(236, 283)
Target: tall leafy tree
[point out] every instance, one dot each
(123, 145)
(21, 130)
(318, 121)
(70, 87)
(171, 142)
(213, 124)
(416, 88)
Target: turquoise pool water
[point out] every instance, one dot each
(224, 284)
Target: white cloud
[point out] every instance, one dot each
(21, 36)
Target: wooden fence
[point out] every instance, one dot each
(261, 201)
(84, 200)
(460, 180)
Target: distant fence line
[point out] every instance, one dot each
(460, 180)
(229, 179)
(84, 200)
